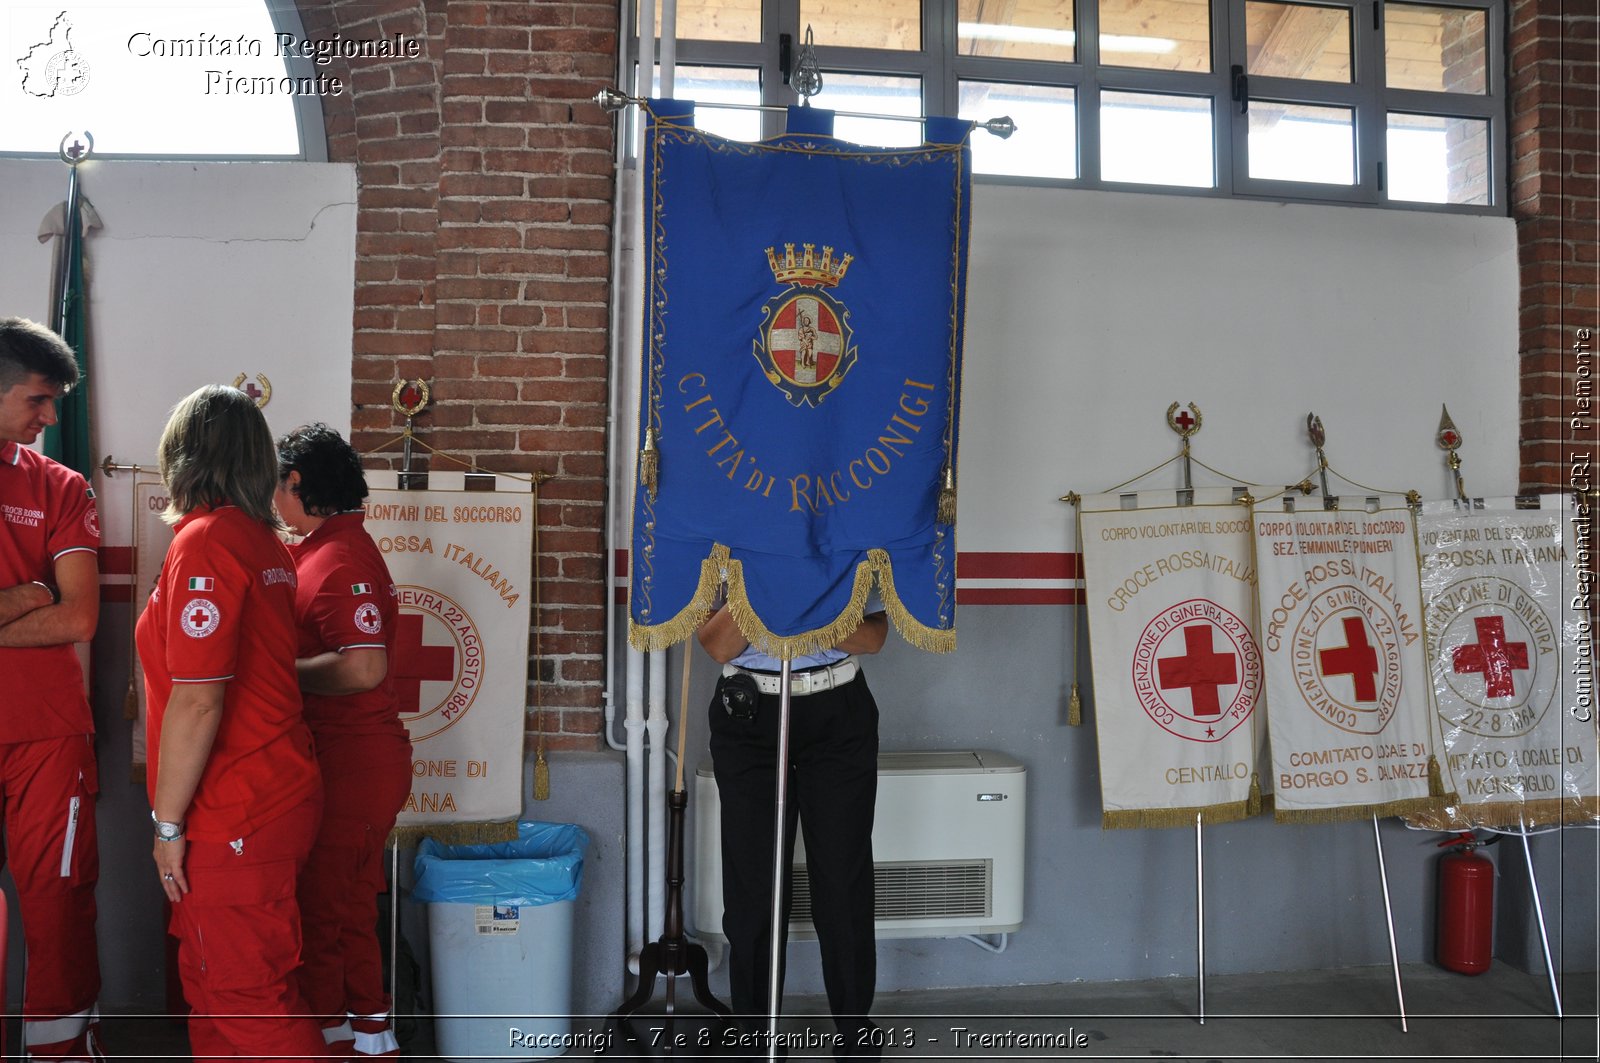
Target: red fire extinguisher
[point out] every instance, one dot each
(1466, 906)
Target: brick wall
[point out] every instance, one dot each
(483, 264)
(1555, 116)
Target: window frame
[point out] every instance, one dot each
(1368, 97)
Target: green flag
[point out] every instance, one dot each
(67, 441)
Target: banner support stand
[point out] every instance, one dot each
(777, 932)
(1388, 915)
(1538, 911)
(1200, 909)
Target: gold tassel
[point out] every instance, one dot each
(1435, 780)
(947, 498)
(1074, 707)
(541, 777)
(130, 703)
(650, 463)
(1252, 803)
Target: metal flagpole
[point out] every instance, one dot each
(611, 100)
(779, 883)
(1200, 908)
(1538, 910)
(1388, 915)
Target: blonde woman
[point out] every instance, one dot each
(233, 783)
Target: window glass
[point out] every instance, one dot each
(1435, 49)
(874, 94)
(720, 84)
(1437, 159)
(1298, 41)
(1169, 35)
(1023, 29)
(1151, 139)
(138, 77)
(1046, 141)
(852, 24)
(1300, 142)
(716, 20)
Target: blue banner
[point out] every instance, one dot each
(801, 382)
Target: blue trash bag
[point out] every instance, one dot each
(542, 866)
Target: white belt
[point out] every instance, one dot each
(811, 681)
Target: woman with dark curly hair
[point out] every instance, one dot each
(233, 782)
(345, 609)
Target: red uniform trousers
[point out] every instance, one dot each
(238, 931)
(48, 787)
(366, 779)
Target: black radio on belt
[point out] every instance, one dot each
(740, 695)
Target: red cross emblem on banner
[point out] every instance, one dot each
(1201, 670)
(1357, 658)
(1494, 657)
(417, 662)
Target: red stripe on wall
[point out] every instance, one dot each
(974, 565)
(116, 560)
(1019, 596)
(116, 594)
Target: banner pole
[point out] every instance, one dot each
(1388, 915)
(1200, 908)
(777, 931)
(1538, 911)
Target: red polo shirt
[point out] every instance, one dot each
(223, 612)
(46, 512)
(347, 600)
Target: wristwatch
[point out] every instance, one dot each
(166, 832)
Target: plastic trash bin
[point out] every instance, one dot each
(500, 933)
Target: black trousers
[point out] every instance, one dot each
(833, 788)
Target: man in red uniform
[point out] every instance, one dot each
(346, 609)
(49, 600)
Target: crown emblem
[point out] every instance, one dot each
(806, 268)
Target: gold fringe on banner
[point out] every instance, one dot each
(409, 834)
(137, 774)
(1137, 818)
(1344, 813)
(1074, 707)
(1510, 815)
(130, 701)
(688, 620)
(1253, 802)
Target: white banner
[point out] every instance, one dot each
(1341, 624)
(462, 562)
(1508, 633)
(1176, 660)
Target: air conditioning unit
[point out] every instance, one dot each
(947, 848)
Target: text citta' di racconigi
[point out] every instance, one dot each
(320, 50)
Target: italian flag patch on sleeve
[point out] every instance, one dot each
(360, 588)
(200, 583)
